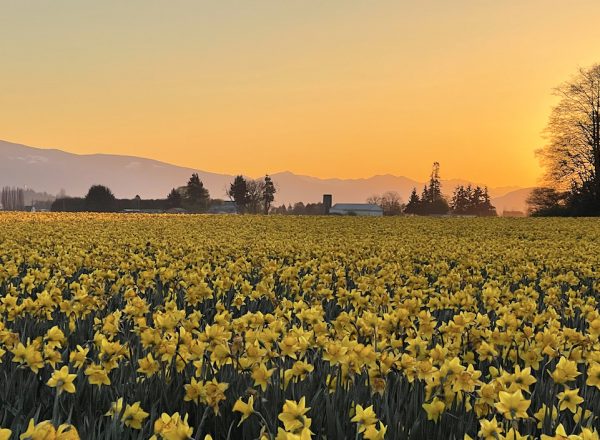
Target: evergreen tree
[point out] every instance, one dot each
(435, 186)
(299, 208)
(432, 199)
(472, 201)
(314, 209)
(476, 200)
(486, 207)
(196, 194)
(414, 203)
(425, 195)
(268, 194)
(174, 199)
(438, 207)
(460, 200)
(281, 209)
(238, 193)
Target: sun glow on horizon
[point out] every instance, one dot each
(329, 90)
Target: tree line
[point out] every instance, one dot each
(300, 208)
(20, 199)
(571, 158)
(12, 199)
(252, 196)
(248, 195)
(256, 196)
(465, 200)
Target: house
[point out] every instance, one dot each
(362, 209)
(226, 207)
(143, 211)
(176, 211)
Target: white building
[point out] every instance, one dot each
(363, 209)
(226, 207)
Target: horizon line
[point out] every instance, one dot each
(287, 171)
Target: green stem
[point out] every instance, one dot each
(204, 416)
(229, 431)
(55, 408)
(266, 425)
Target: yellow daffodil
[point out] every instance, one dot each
(134, 415)
(294, 417)
(194, 391)
(365, 417)
(247, 409)
(565, 371)
(214, 393)
(434, 409)
(513, 434)
(45, 430)
(560, 434)
(490, 429)
(261, 376)
(97, 375)
(5, 434)
(78, 357)
(569, 399)
(172, 427)
(148, 365)
(512, 405)
(62, 380)
(593, 378)
(375, 432)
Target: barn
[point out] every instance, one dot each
(362, 209)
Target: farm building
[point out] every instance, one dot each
(225, 207)
(366, 209)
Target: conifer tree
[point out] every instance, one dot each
(414, 203)
(238, 193)
(268, 194)
(196, 194)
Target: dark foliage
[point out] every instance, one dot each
(238, 193)
(572, 153)
(197, 196)
(432, 201)
(467, 200)
(100, 199)
(174, 199)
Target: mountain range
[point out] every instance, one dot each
(53, 171)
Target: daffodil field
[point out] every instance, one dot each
(242, 327)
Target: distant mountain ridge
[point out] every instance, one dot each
(53, 170)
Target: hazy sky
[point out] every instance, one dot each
(326, 88)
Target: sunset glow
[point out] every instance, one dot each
(328, 89)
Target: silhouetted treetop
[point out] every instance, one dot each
(100, 199)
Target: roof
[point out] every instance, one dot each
(143, 211)
(357, 207)
(227, 207)
(176, 211)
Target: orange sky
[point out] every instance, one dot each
(331, 89)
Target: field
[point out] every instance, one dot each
(128, 326)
